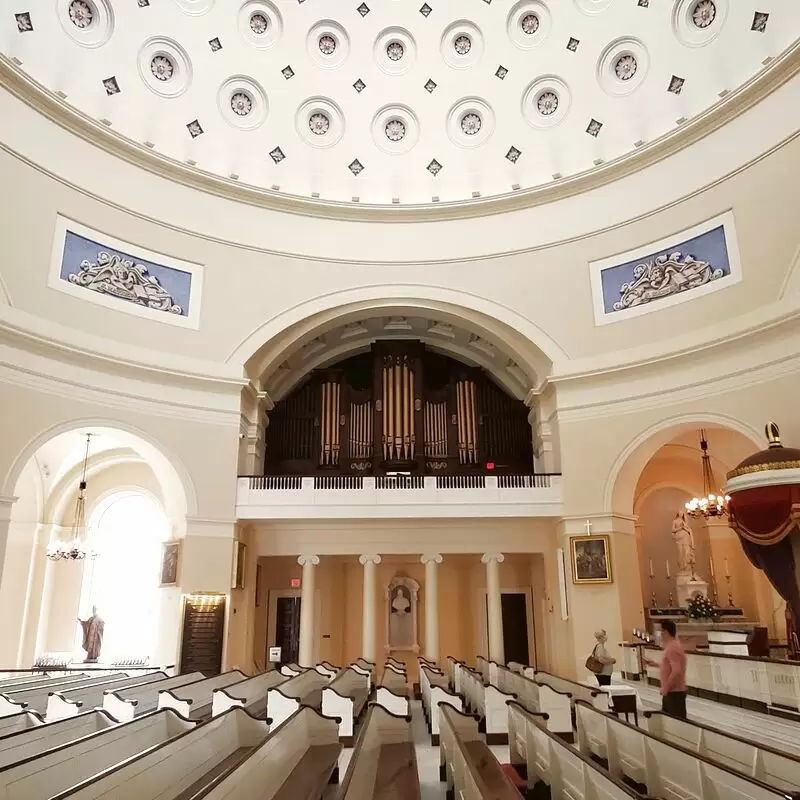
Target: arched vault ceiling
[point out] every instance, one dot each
(464, 342)
(390, 102)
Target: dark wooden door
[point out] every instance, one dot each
(287, 629)
(515, 627)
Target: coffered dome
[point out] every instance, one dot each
(394, 102)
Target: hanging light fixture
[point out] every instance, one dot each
(74, 548)
(712, 504)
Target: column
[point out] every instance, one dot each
(368, 613)
(494, 606)
(306, 655)
(6, 504)
(431, 563)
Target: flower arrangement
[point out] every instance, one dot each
(700, 607)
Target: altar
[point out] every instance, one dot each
(731, 634)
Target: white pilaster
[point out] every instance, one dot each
(306, 655)
(368, 613)
(431, 563)
(6, 504)
(494, 606)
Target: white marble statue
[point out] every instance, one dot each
(684, 540)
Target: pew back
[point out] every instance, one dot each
(193, 700)
(123, 705)
(250, 694)
(21, 721)
(35, 697)
(285, 699)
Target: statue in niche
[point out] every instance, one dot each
(684, 540)
(92, 636)
(401, 599)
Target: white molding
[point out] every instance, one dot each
(65, 225)
(596, 269)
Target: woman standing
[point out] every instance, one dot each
(601, 654)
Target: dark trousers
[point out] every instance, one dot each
(603, 680)
(674, 704)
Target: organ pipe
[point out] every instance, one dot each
(397, 382)
(467, 422)
(329, 425)
(361, 430)
(435, 419)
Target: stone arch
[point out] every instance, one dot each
(623, 477)
(179, 492)
(538, 351)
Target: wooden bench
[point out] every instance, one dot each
(304, 689)
(125, 704)
(250, 694)
(394, 702)
(328, 669)
(384, 762)
(661, 769)
(68, 703)
(52, 772)
(291, 670)
(179, 769)
(345, 697)
(26, 681)
(21, 721)
(435, 692)
(467, 764)
(193, 700)
(553, 768)
(296, 762)
(37, 740)
(35, 697)
(487, 702)
(773, 767)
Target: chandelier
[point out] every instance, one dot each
(74, 548)
(712, 504)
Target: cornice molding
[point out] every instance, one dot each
(737, 102)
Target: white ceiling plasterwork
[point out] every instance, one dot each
(474, 99)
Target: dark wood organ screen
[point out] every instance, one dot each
(399, 409)
(203, 635)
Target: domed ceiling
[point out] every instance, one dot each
(394, 102)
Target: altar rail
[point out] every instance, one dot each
(759, 684)
(336, 496)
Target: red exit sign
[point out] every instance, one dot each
(295, 583)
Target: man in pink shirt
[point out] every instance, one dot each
(673, 672)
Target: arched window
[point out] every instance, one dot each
(121, 581)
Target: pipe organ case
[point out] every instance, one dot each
(398, 409)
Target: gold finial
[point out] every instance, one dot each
(773, 434)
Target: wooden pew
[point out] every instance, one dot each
(552, 768)
(54, 771)
(304, 689)
(193, 700)
(434, 693)
(25, 681)
(291, 670)
(661, 769)
(35, 698)
(366, 668)
(488, 703)
(180, 769)
(467, 764)
(577, 691)
(132, 701)
(328, 669)
(346, 697)
(392, 693)
(37, 740)
(384, 762)
(250, 694)
(296, 762)
(22, 721)
(773, 767)
(68, 703)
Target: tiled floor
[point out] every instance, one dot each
(427, 757)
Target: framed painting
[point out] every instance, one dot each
(170, 552)
(241, 565)
(591, 559)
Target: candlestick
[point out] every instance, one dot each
(671, 601)
(652, 574)
(654, 603)
(727, 569)
(711, 566)
(668, 575)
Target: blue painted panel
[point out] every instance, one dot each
(710, 248)
(154, 286)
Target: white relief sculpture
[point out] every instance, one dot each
(121, 277)
(401, 596)
(665, 275)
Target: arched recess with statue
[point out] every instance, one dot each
(98, 525)
(426, 411)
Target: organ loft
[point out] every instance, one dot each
(399, 409)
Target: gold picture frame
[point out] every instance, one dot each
(240, 573)
(170, 561)
(591, 559)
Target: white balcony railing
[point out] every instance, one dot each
(341, 496)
